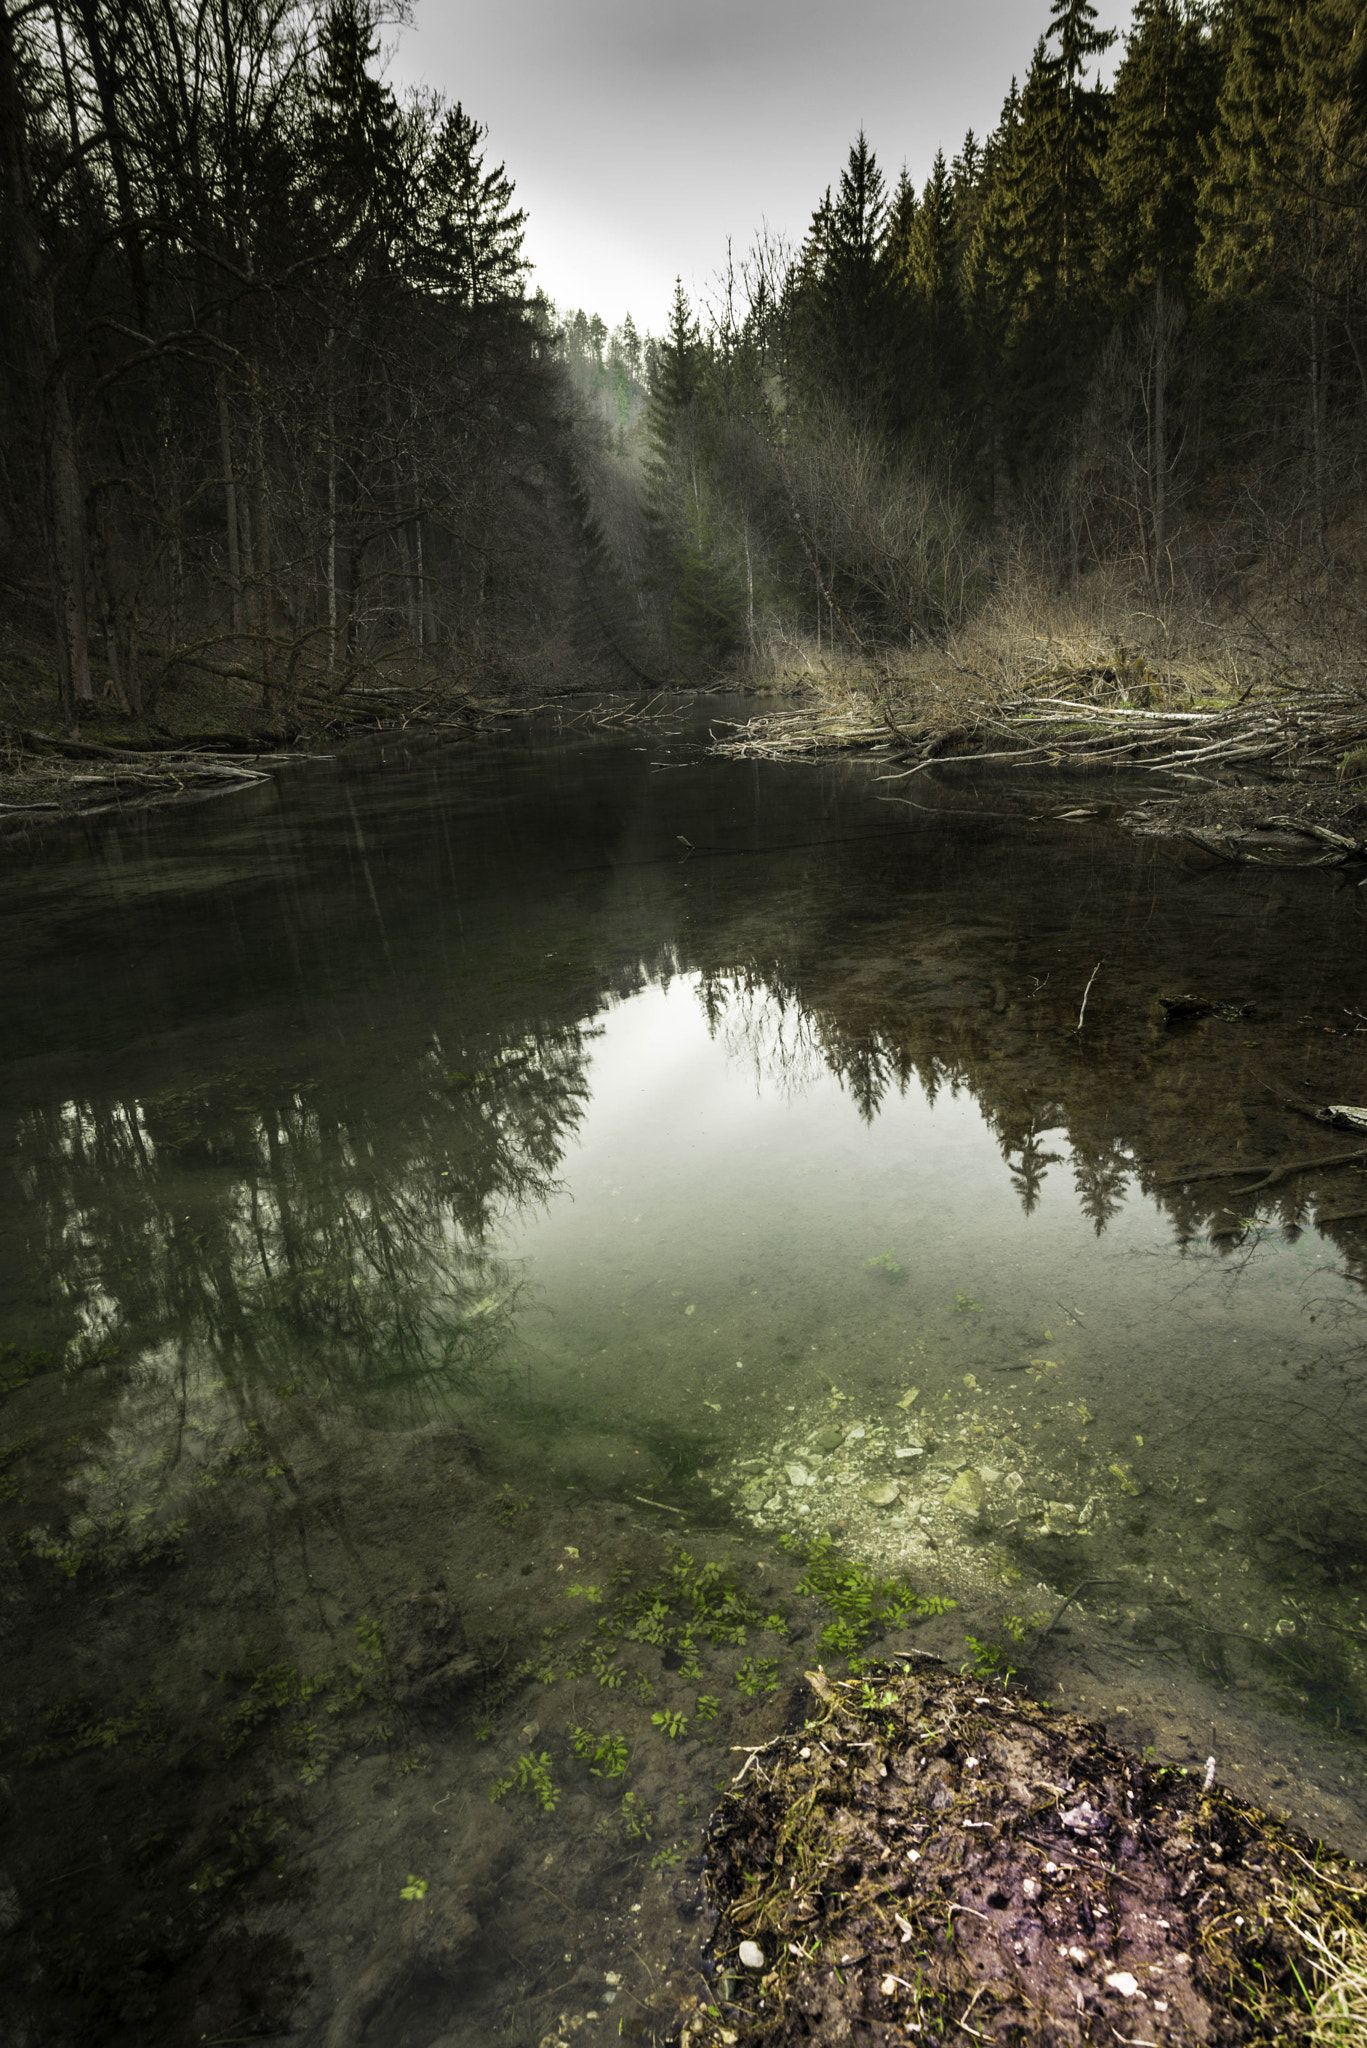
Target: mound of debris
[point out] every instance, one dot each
(929, 1861)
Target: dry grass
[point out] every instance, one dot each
(1337, 1957)
(1029, 632)
(1104, 678)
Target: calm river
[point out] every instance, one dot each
(487, 1233)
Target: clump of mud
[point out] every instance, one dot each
(927, 1861)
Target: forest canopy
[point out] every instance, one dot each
(283, 416)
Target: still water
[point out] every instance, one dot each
(474, 1222)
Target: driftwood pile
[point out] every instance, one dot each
(49, 773)
(1095, 717)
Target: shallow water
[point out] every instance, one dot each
(440, 1182)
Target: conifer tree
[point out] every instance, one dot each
(934, 263)
(1284, 200)
(355, 154)
(1045, 260)
(471, 232)
(698, 601)
(1256, 117)
(1163, 109)
(847, 300)
(1162, 112)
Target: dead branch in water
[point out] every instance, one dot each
(1080, 718)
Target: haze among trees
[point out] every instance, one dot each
(282, 418)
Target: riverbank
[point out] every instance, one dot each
(919, 1849)
(1161, 717)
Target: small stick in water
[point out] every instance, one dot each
(1085, 993)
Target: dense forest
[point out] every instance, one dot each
(282, 415)
(1123, 333)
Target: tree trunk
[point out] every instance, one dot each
(230, 503)
(1160, 434)
(332, 505)
(1317, 418)
(265, 611)
(64, 500)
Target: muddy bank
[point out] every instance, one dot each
(921, 1856)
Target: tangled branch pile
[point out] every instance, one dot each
(924, 1859)
(1120, 715)
(42, 772)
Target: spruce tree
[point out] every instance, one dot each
(1285, 196)
(934, 263)
(847, 300)
(356, 145)
(1162, 111)
(1045, 220)
(471, 233)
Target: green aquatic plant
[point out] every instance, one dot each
(127, 1540)
(593, 1594)
(530, 1774)
(508, 1507)
(78, 1725)
(757, 1676)
(991, 1657)
(708, 1707)
(965, 1305)
(606, 1755)
(862, 1605)
(665, 1859)
(883, 1262)
(415, 1888)
(251, 1832)
(671, 1724)
(608, 1673)
(637, 1820)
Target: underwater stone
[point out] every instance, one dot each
(751, 1955)
(910, 1451)
(829, 1439)
(966, 1494)
(882, 1496)
(798, 1475)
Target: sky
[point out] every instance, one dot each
(641, 134)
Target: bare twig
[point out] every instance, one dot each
(1085, 993)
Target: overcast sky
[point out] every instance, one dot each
(641, 133)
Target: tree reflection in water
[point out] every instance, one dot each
(257, 1256)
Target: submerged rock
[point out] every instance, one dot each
(429, 1662)
(886, 1496)
(967, 1495)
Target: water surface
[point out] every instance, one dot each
(442, 1184)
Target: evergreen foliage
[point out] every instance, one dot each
(272, 378)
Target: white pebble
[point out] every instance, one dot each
(751, 1955)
